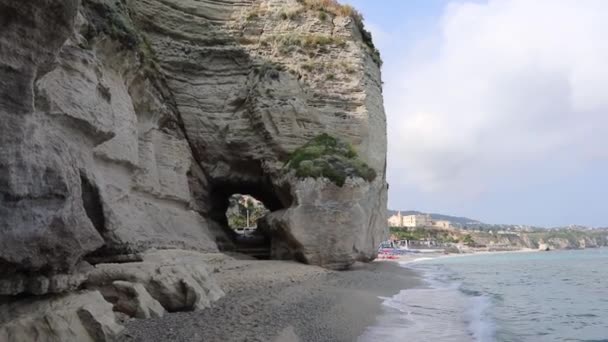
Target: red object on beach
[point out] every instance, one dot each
(387, 255)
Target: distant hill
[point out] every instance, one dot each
(453, 219)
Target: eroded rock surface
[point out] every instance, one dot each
(76, 317)
(301, 232)
(178, 280)
(43, 225)
(126, 125)
(132, 299)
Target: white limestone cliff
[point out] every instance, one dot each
(126, 125)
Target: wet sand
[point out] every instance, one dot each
(284, 302)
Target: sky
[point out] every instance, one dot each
(497, 109)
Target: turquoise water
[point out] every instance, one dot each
(536, 297)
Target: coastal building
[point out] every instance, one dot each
(418, 220)
(396, 220)
(442, 224)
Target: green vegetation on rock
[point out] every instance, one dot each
(468, 240)
(423, 234)
(328, 67)
(328, 157)
(571, 238)
(111, 19)
(307, 41)
(414, 234)
(375, 53)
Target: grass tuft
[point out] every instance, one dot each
(288, 43)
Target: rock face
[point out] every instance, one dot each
(303, 232)
(167, 280)
(127, 125)
(79, 317)
(133, 300)
(547, 239)
(177, 280)
(43, 224)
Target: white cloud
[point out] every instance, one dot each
(502, 90)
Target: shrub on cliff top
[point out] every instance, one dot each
(326, 156)
(335, 8)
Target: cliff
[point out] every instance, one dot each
(125, 126)
(552, 239)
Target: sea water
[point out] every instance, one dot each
(536, 297)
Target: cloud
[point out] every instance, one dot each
(503, 91)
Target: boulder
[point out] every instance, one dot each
(178, 280)
(132, 299)
(330, 226)
(77, 317)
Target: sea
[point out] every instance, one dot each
(527, 297)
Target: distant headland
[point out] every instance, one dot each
(469, 234)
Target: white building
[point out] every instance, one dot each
(419, 220)
(442, 224)
(395, 220)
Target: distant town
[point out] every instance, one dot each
(414, 219)
(442, 231)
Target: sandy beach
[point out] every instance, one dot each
(282, 301)
(287, 301)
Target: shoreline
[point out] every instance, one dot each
(410, 258)
(407, 312)
(483, 294)
(284, 302)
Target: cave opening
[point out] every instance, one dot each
(239, 210)
(91, 201)
(242, 215)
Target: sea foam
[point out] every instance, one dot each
(437, 311)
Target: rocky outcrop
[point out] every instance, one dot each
(302, 232)
(253, 82)
(545, 239)
(43, 224)
(178, 280)
(126, 125)
(543, 247)
(85, 164)
(163, 281)
(77, 317)
(133, 300)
